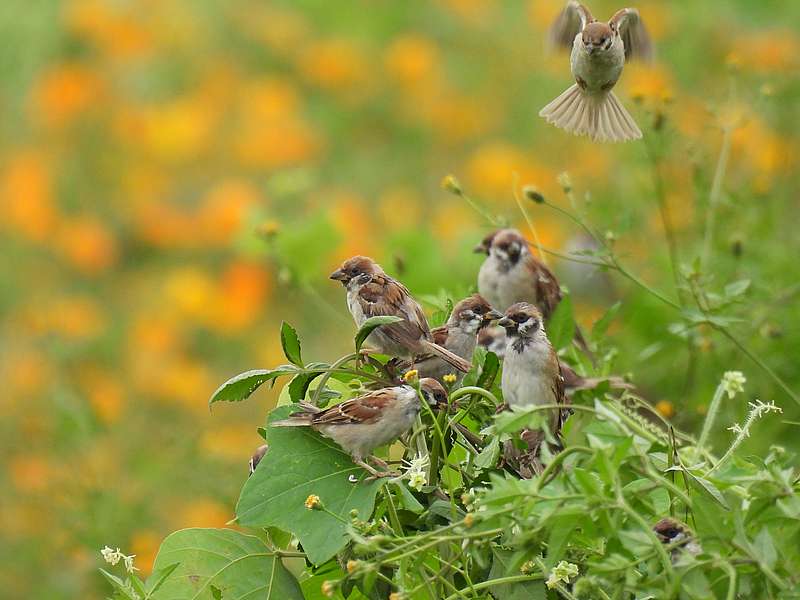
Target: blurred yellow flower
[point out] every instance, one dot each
(665, 408)
(104, 391)
(230, 442)
(203, 512)
(333, 64)
(651, 84)
(76, 317)
(412, 60)
(144, 545)
(493, 166)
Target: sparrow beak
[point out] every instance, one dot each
(479, 249)
(506, 322)
(493, 315)
(338, 275)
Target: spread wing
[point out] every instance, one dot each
(569, 23)
(364, 409)
(548, 292)
(633, 33)
(385, 296)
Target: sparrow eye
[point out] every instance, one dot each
(520, 318)
(353, 271)
(478, 310)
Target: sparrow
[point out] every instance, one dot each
(362, 424)
(599, 51)
(678, 536)
(495, 340)
(371, 292)
(459, 335)
(511, 273)
(256, 458)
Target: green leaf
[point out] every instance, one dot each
(291, 344)
(600, 326)
(737, 288)
(407, 500)
(300, 463)
(119, 585)
(487, 459)
(710, 489)
(371, 324)
(766, 548)
(238, 565)
(298, 386)
(561, 326)
(243, 385)
(517, 419)
(489, 370)
(158, 577)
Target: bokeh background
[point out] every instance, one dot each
(178, 177)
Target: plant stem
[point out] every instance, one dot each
(716, 191)
(711, 416)
(393, 518)
(529, 221)
(499, 581)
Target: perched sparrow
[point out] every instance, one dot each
(531, 376)
(371, 292)
(671, 532)
(531, 371)
(599, 51)
(256, 458)
(362, 424)
(459, 335)
(511, 273)
(495, 340)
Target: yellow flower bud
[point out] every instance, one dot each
(411, 375)
(451, 184)
(313, 502)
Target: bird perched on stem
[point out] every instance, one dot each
(511, 273)
(459, 335)
(599, 51)
(362, 424)
(531, 371)
(371, 292)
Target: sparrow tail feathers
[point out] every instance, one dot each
(601, 117)
(447, 356)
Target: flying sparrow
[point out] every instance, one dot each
(459, 335)
(362, 424)
(511, 273)
(371, 292)
(599, 51)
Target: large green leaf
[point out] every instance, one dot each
(300, 463)
(243, 385)
(222, 563)
(371, 324)
(561, 326)
(291, 344)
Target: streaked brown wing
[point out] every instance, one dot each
(548, 292)
(389, 297)
(439, 335)
(634, 34)
(569, 22)
(364, 409)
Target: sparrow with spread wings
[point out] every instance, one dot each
(599, 51)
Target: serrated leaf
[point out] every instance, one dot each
(291, 344)
(561, 326)
(238, 565)
(370, 325)
(300, 463)
(243, 385)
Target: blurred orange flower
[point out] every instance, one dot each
(64, 92)
(27, 195)
(87, 244)
(201, 513)
(105, 392)
(29, 473)
(223, 211)
(242, 296)
(412, 60)
(333, 64)
(493, 166)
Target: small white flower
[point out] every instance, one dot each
(112, 557)
(733, 382)
(417, 481)
(737, 429)
(563, 571)
(415, 473)
(129, 563)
